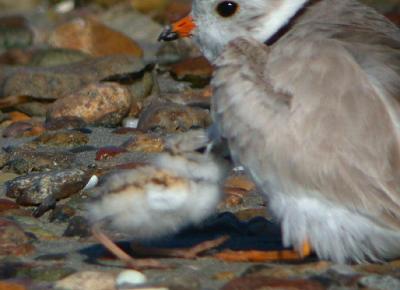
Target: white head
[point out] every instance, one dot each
(216, 22)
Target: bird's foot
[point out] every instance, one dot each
(305, 250)
(266, 256)
(185, 253)
(139, 264)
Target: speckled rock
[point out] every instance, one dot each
(149, 143)
(77, 227)
(96, 104)
(59, 81)
(45, 273)
(46, 188)
(24, 160)
(170, 118)
(67, 138)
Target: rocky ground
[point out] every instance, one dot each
(86, 91)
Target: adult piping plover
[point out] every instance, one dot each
(307, 95)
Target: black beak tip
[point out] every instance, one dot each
(168, 35)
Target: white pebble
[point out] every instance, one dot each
(238, 168)
(130, 278)
(130, 122)
(65, 6)
(92, 182)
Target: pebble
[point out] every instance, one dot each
(171, 118)
(94, 38)
(44, 273)
(59, 81)
(109, 152)
(198, 71)
(62, 213)
(144, 143)
(130, 122)
(56, 56)
(14, 33)
(380, 282)
(23, 129)
(34, 108)
(78, 226)
(46, 188)
(65, 123)
(6, 204)
(23, 160)
(130, 278)
(13, 239)
(8, 285)
(20, 6)
(88, 280)
(101, 104)
(93, 181)
(124, 19)
(260, 283)
(65, 138)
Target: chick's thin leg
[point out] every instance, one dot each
(120, 254)
(186, 253)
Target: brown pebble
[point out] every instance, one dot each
(96, 104)
(92, 37)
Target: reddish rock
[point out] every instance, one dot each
(23, 129)
(91, 36)
(109, 152)
(6, 204)
(8, 285)
(13, 239)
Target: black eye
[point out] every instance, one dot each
(227, 8)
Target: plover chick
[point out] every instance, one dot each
(158, 200)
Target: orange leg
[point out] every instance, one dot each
(305, 250)
(266, 256)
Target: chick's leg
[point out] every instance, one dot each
(186, 253)
(120, 254)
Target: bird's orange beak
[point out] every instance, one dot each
(181, 28)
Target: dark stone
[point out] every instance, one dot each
(78, 226)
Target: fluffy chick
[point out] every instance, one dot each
(157, 200)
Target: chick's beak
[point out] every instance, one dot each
(181, 28)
